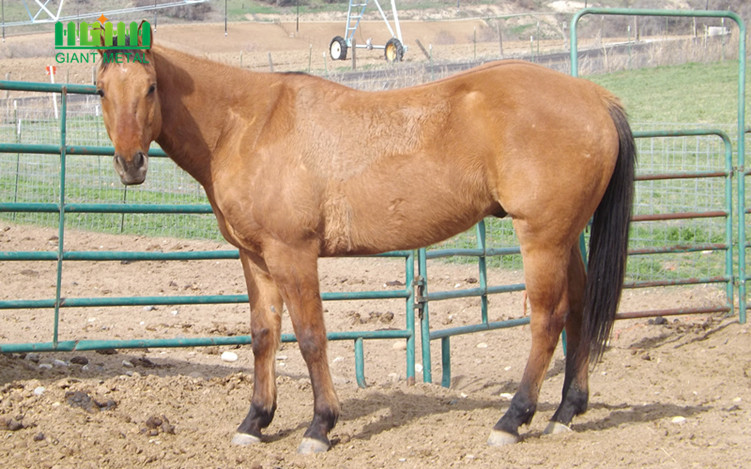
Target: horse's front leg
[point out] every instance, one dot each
(265, 324)
(295, 270)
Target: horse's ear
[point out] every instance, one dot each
(102, 45)
(144, 34)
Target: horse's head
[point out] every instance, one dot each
(127, 84)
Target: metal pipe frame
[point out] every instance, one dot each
(742, 278)
(728, 279)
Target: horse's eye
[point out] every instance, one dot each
(152, 88)
(100, 92)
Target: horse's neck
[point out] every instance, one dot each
(195, 105)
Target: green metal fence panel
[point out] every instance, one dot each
(742, 278)
(721, 214)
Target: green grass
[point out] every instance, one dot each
(693, 93)
(238, 9)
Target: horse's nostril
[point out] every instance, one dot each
(119, 161)
(139, 159)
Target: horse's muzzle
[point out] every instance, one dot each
(133, 171)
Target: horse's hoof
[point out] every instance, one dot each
(554, 428)
(312, 446)
(244, 439)
(501, 438)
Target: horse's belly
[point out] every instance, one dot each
(395, 223)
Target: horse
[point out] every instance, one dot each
(296, 167)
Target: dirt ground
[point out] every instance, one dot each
(670, 394)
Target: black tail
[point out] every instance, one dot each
(608, 242)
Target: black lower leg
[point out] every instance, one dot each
(574, 403)
(323, 422)
(575, 399)
(520, 412)
(257, 419)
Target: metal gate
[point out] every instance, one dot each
(718, 212)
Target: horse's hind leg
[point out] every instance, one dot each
(265, 324)
(545, 272)
(575, 384)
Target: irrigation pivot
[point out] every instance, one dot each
(393, 49)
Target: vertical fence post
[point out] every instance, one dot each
(409, 281)
(446, 361)
(500, 39)
(61, 224)
(474, 43)
(483, 270)
(122, 215)
(18, 155)
(741, 170)
(421, 287)
(430, 60)
(730, 287)
(360, 363)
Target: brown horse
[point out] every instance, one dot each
(297, 167)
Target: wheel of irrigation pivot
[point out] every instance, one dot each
(338, 48)
(394, 50)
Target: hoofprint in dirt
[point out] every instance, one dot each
(669, 393)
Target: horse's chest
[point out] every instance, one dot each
(254, 210)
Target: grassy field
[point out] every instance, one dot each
(692, 95)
